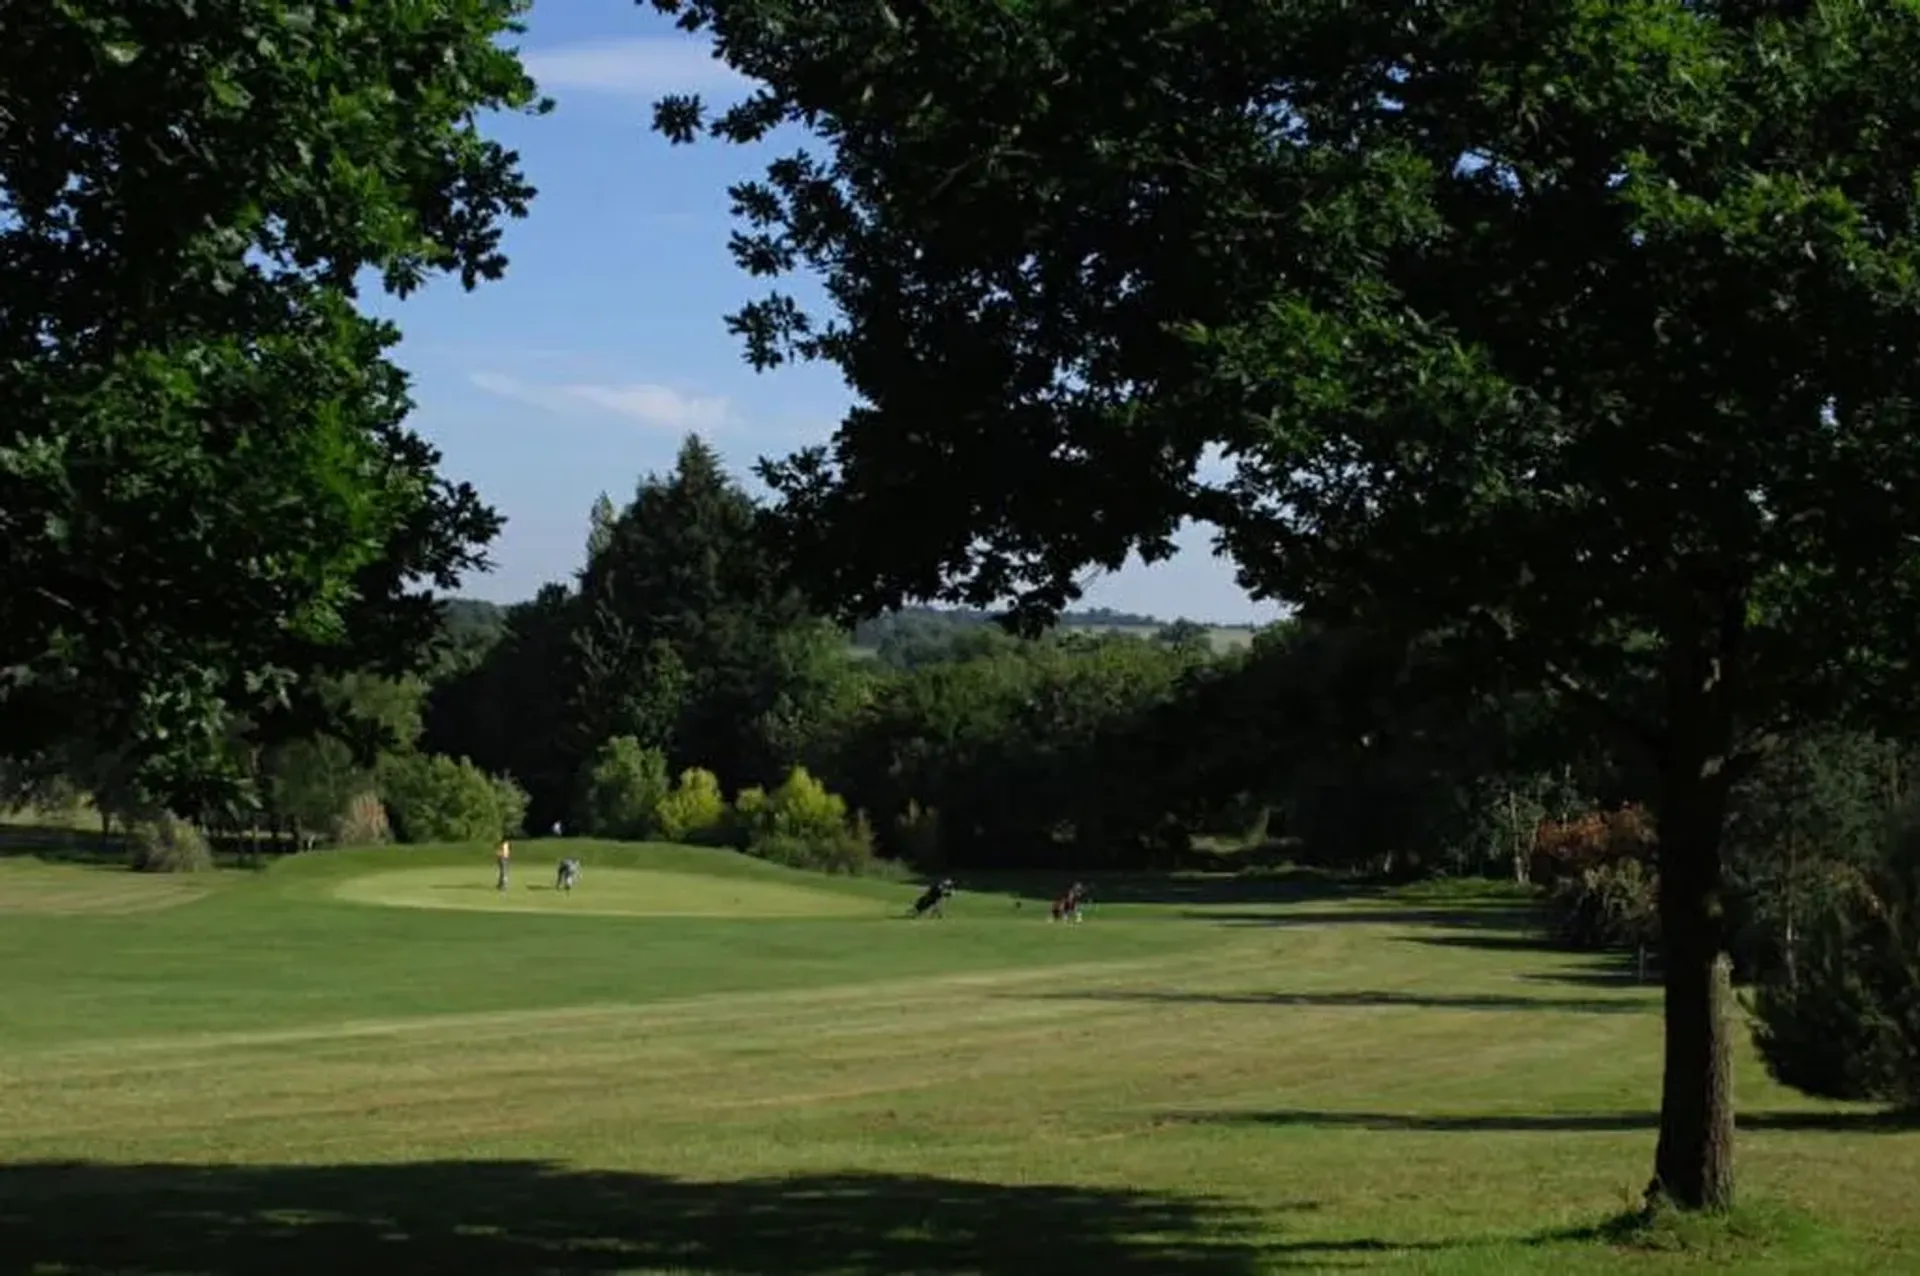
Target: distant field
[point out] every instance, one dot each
(370, 1061)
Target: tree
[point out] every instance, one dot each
(1581, 334)
(600, 520)
(207, 488)
(511, 712)
(690, 633)
(621, 789)
(433, 798)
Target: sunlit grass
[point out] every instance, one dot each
(281, 1075)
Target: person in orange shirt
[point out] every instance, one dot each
(504, 858)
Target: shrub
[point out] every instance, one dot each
(1568, 848)
(802, 825)
(167, 844)
(1841, 1018)
(621, 788)
(847, 849)
(695, 811)
(432, 798)
(1613, 905)
(512, 801)
(363, 822)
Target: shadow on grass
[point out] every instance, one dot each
(57, 844)
(1370, 1000)
(1620, 975)
(1494, 918)
(517, 1218)
(1190, 890)
(1847, 1122)
(1492, 941)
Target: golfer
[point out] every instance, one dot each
(504, 859)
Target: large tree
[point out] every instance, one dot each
(207, 486)
(1585, 332)
(691, 639)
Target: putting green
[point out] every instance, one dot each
(630, 892)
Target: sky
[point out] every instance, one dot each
(583, 369)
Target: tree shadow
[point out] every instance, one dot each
(1189, 890)
(57, 844)
(1622, 975)
(1366, 1000)
(1491, 917)
(1833, 1122)
(516, 1218)
(1490, 941)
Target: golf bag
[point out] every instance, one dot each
(934, 899)
(568, 876)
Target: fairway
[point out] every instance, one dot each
(65, 890)
(629, 892)
(280, 1075)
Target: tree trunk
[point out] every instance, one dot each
(1693, 1163)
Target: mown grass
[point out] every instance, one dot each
(286, 1074)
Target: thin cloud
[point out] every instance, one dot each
(635, 66)
(657, 407)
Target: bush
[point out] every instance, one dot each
(694, 812)
(801, 825)
(1613, 905)
(621, 788)
(1567, 849)
(1840, 1019)
(432, 798)
(167, 844)
(363, 823)
(847, 850)
(512, 801)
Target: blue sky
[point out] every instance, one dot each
(603, 346)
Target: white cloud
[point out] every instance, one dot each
(655, 406)
(638, 66)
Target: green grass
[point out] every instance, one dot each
(369, 1061)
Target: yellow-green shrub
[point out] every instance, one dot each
(802, 825)
(694, 811)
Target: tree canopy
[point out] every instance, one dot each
(207, 485)
(1580, 333)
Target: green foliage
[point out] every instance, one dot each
(1820, 801)
(510, 711)
(1840, 1016)
(511, 801)
(434, 798)
(689, 639)
(802, 825)
(621, 790)
(695, 812)
(1046, 752)
(165, 843)
(311, 782)
(208, 488)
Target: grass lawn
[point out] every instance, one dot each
(373, 1062)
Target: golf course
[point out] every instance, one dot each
(697, 1062)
